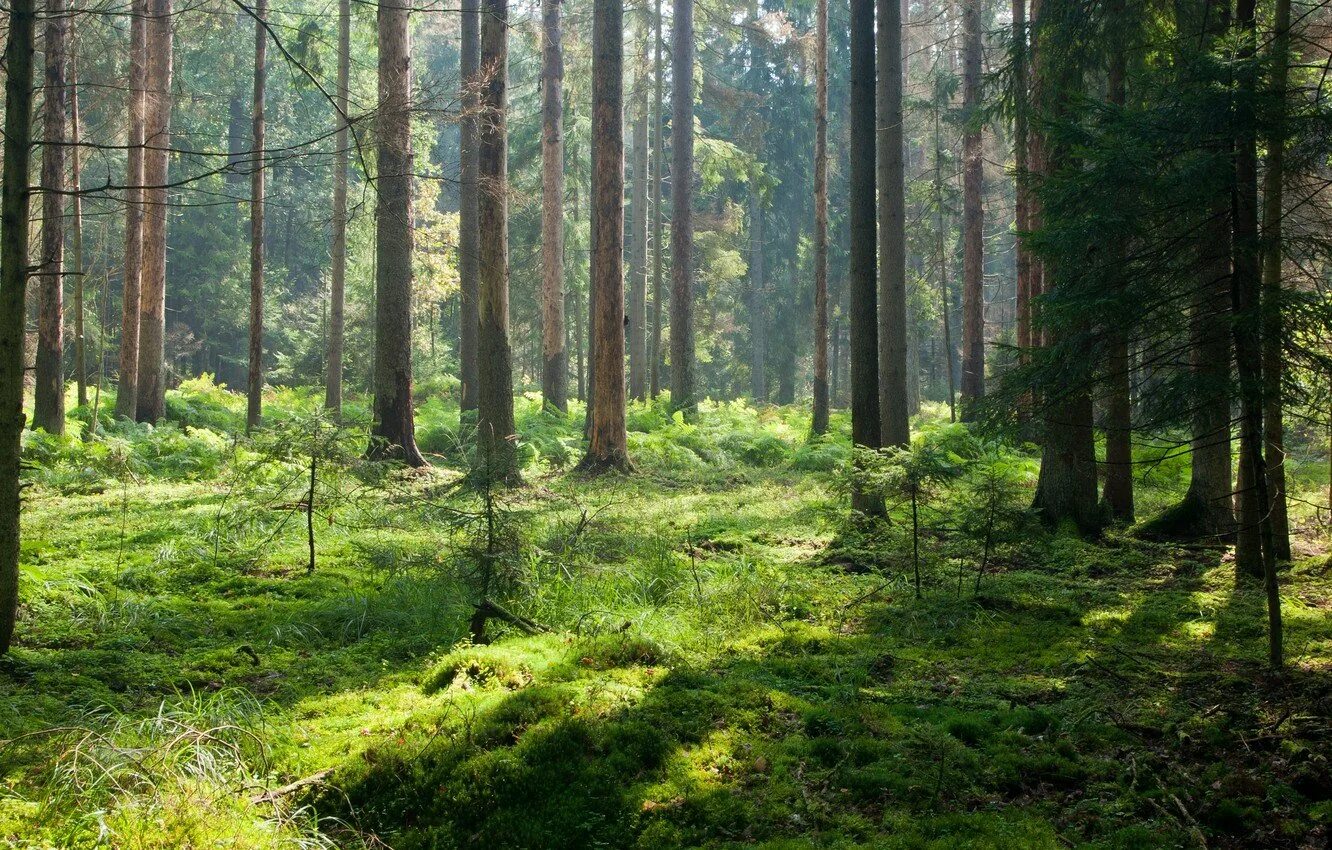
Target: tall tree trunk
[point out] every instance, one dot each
(658, 236)
(469, 189)
(912, 166)
(555, 360)
(607, 441)
(973, 216)
(941, 253)
(1118, 493)
(393, 433)
(638, 226)
(1255, 551)
(338, 284)
(758, 326)
(894, 407)
(254, 384)
(682, 199)
(1021, 167)
(820, 419)
(150, 398)
(15, 191)
(127, 391)
(49, 394)
(495, 425)
(862, 274)
(1273, 414)
(76, 227)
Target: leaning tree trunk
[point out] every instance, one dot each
(638, 226)
(894, 406)
(469, 193)
(49, 393)
(820, 419)
(15, 192)
(498, 451)
(150, 398)
(658, 248)
(973, 216)
(337, 295)
(394, 431)
(555, 357)
(254, 385)
(1273, 414)
(127, 391)
(682, 200)
(607, 440)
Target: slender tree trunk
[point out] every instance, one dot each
(49, 393)
(555, 360)
(15, 191)
(1273, 414)
(338, 287)
(658, 236)
(127, 391)
(758, 329)
(496, 430)
(820, 419)
(912, 166)
(255, 379)
(469, 234)
(1022, 181)
(76, 228)
(393, 433)
(973, 216)
(607, 449)
(638, 226)
(682, 199)
(150, 398)
(1118, 492)
(941, 251)
(862, 275)
(894, 408)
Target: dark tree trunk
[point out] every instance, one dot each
(607, 449)
(496, 431)
(49, 392)
(638, 227)
(338, 287)
(393, 434)
(682, 199)
(973, 216)
(127, 391)
(76, 228)
(1021, 166)
(150, 399)
(255, 378)
(555, 359)
(469, 234)
(15, 192)
(658, 235)
(894, 407)
(820, 418)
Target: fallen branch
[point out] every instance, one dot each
(487, 609)
(291, 787)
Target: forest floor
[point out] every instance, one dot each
(728, 662)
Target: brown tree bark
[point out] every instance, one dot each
(607, 440)
(973, 216)
(758, 325)
(15, 192)
(469, 234)
(76, 226)
(638, 229)
(150, 398)
(127, 390)
(820, 417)
(337, 295)
(683, 396)
(863, 270)
(658, 236)
(496, 437)
(942, 259)
(894, 406)
(49, 393)
(555, 359)
(393, 434)
(1021, 167)
(254, 384)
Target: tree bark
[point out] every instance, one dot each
(638, 227)
(150, 398)
(862, 274)
(658, 245)
(555, 359)
(49, 393)
(1273, 414)
(469, 234)
(393, 434)
(682, 199)
(1021, 168)
(941, 253)
(607, 440)
(758, 329)
(338, 276)
(820, 417)
(76, 227)
(497, 439)
(15, 192)
(973, 216)
(127, 391)
(254, 384)
(894, 407)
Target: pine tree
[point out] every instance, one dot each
(555, 359)
(49, 390)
